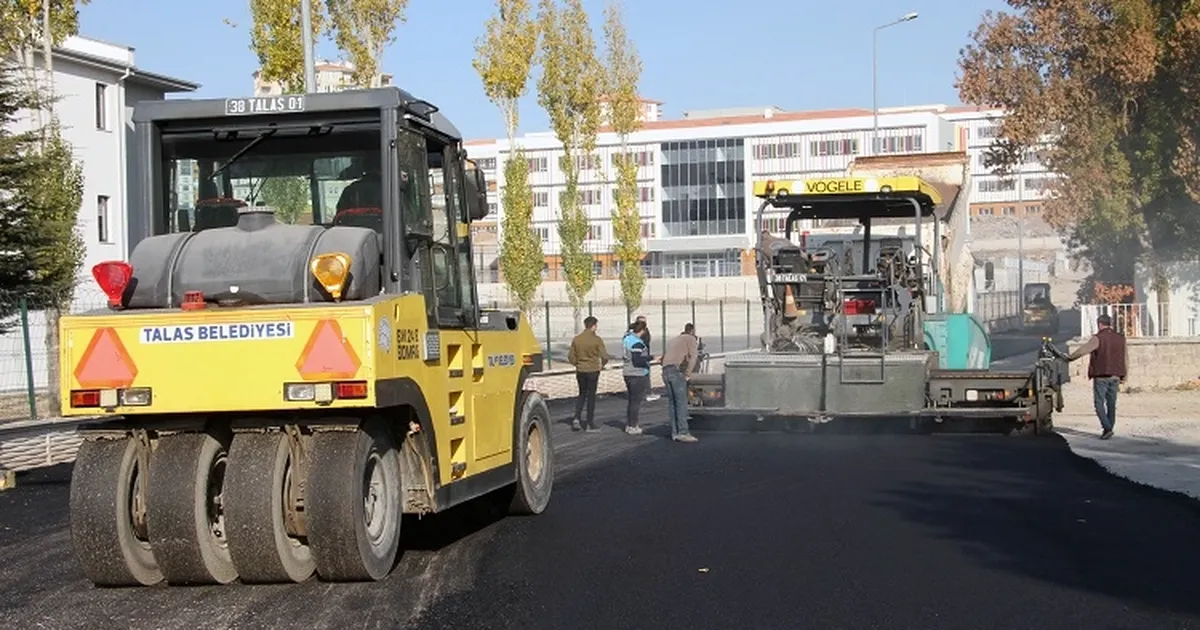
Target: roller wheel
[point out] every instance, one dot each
(185, 501)
(353, 503)
(256, 499)
(108, 526)
(533, 456)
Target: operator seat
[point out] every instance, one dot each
(217, 212)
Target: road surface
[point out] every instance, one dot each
(738, 531)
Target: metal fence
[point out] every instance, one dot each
(730, 324)
(1144, 319)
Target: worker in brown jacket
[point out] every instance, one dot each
(1106, 368)
(589, 355)
(677, 364)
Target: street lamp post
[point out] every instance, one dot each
(908, 17)
(310, 69)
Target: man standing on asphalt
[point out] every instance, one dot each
(677, 365)
(589, 356)
(637, 374)
(650, 395)
(1106, 368)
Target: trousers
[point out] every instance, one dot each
(637, 387)
(1104, 395)
(677, 400)
(587, 382)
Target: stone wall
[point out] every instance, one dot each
(1152, 362)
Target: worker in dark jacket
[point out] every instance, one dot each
(589, 355)
(645, 335)
(1106, 368)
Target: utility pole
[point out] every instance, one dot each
(908, 17)
(310, 68)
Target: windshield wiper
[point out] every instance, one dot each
(244, 150)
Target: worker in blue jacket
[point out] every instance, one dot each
(637, 374)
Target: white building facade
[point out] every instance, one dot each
(97, 84)
(696, 176)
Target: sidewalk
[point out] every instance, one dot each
(1157, 437)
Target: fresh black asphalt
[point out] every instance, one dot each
(740, 531)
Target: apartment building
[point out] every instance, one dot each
(331, 76)
(695, 176)
(98, 84)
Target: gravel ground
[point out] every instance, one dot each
(1157, 437)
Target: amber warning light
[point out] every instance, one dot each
(113, 276)
(332, 271)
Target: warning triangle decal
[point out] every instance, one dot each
(327, 355)
(105, 363)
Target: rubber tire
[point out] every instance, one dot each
(102, 532)
(336, 524)
(262, 550)
(532, 495)
(177, 510)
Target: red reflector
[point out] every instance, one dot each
(350, 389)
(327, 355)
(113, 276)
(193, 301)
(858, 307)
(85, 398)
(105, 363)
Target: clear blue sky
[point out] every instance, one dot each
(695, 54)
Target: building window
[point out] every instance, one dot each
(587, 197)
(541, 199)
(1009, 210)
(1033, 210)
(986, 132)
(486, 164)
(101, 107)
(821, 148)
(649, 230)
(997, 185)
(587, 162)
(703, 187)
(778, 150)
(641, 158)
(102, 233)
(645, 194)
(539, 164)
(900, 144)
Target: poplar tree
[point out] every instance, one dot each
(362, 29)
(275, 39)
(569, 90)
(624, 69)
(504, 57)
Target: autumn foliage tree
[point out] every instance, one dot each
(624, 69)
(504, 58)
(275, 39)
(1111, 88)
(362, 29)
(569, 90)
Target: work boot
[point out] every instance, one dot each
(633, 430)
(1106, 435)
(686, 437)
(575, 425)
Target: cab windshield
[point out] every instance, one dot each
(330, 178)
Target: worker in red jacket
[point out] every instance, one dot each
(1106, 368)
